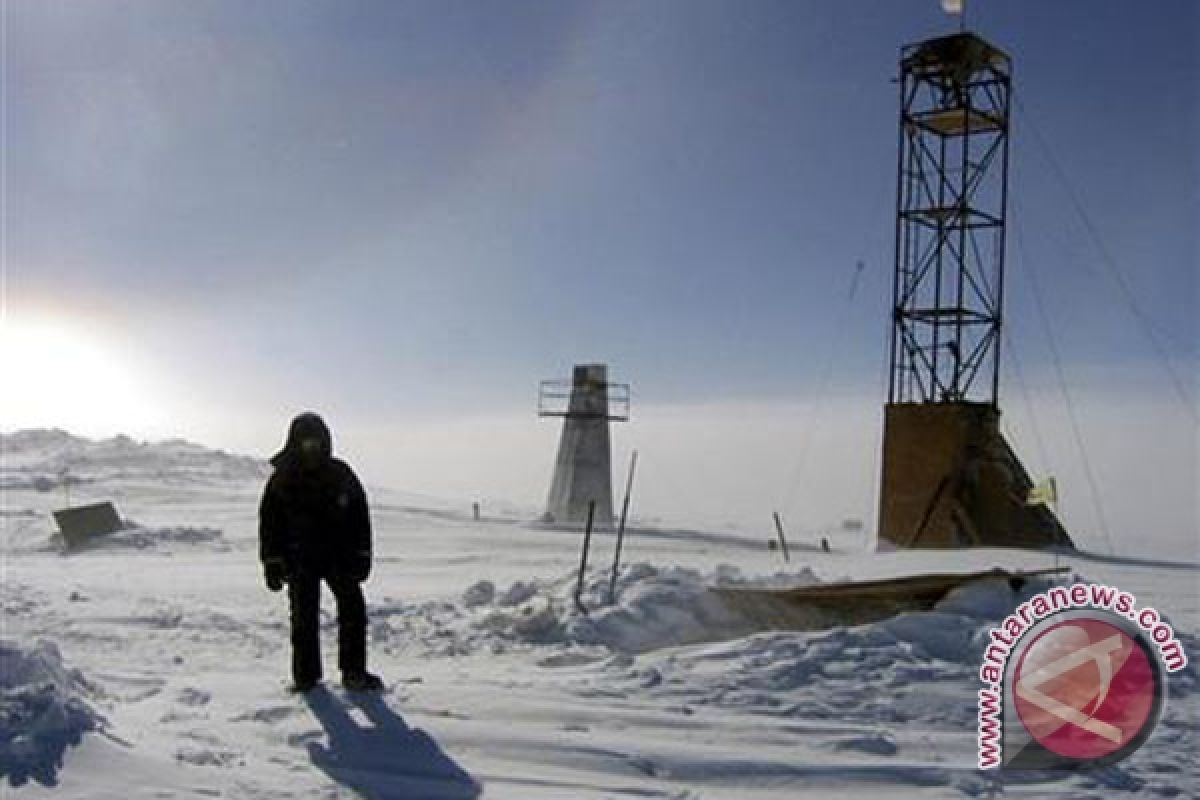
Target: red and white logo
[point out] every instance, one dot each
(1085, 689)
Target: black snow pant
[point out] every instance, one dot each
(304, 594)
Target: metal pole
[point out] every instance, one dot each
(587, 542)
(895, 384)
(782, 538)
(612, 583)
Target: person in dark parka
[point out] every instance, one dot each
(314, 526)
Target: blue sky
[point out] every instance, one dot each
(407, 211)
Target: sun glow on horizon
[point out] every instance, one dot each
(56, 375)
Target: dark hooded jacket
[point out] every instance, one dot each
(313, 519)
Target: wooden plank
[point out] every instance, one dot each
(855, 602)
(957, 121)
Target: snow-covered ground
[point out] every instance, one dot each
(154, 665)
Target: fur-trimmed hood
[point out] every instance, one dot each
(305, 426)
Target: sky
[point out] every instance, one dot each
(406, 214)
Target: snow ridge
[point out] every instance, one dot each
(45, 460)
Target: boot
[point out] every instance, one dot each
(303, 686)
(361, 682)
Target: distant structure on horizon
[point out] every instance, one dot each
(949, 477)
(583, 467)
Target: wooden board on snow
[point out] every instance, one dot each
(857, 602)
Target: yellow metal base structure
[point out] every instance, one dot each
(951, 480)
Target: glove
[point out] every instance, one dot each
(276, 575)
(359, 568)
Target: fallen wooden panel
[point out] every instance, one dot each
(856, 602)
(81, 524)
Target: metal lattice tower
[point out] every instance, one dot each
(950, 218)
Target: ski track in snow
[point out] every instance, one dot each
(153, 664)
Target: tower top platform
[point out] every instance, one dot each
(965, 53)
(587, 395)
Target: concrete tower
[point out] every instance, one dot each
(583, 468)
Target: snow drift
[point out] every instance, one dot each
(663, 607)
(42, 712)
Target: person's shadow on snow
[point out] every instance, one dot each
(385, 760)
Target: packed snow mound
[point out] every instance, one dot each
(42, 712)
(46, 460)
(663, 607)
(905, 668)
(655, 607)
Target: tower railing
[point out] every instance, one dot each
(554, 400)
